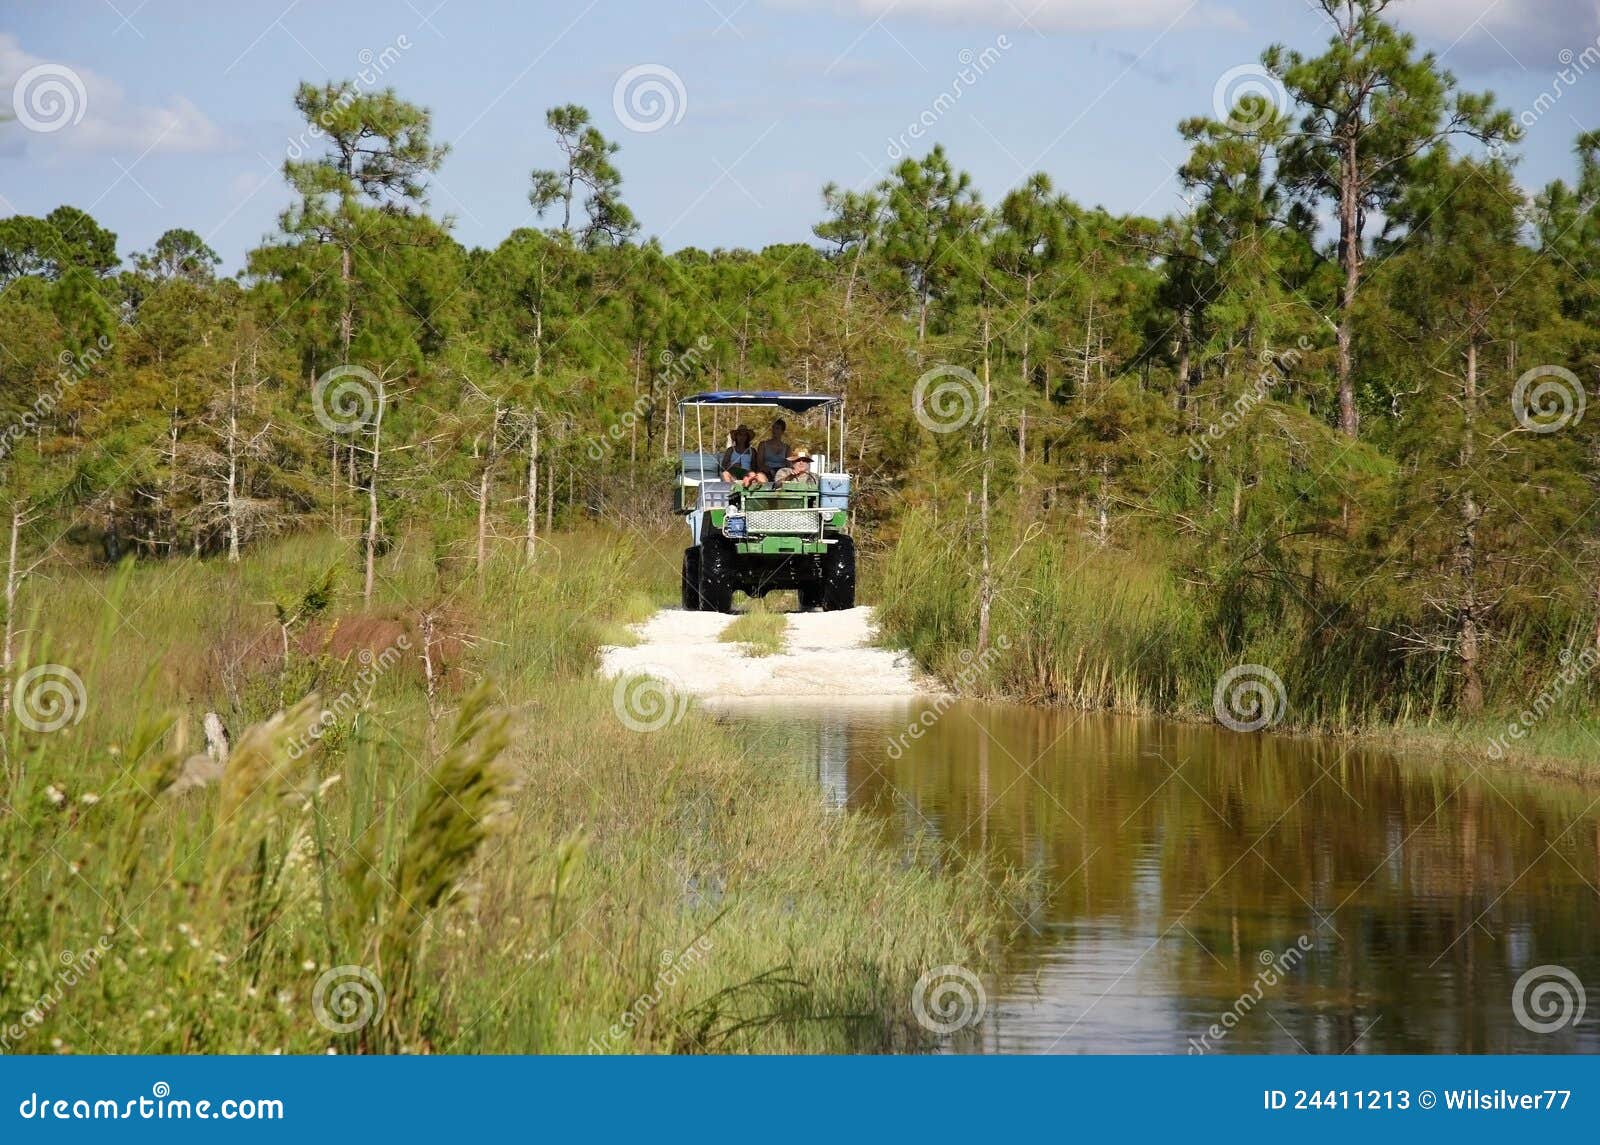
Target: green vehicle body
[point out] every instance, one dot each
(756, 541)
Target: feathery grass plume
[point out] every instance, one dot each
(262, 773)
(157, 770)
(465, 802)
(261, 769)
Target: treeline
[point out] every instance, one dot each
(1339, 396)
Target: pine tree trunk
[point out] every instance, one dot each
(1027, 311)
(531, 540)
(538, 341)
(172, 489)
(1350, 256)
(1088, 341)
(1184, 324)
(233, 463)
(485, 483)
(985, 584)
(1467, 549)
(633, 427)
(372, 501)
(483, 516)
(347, 313)
(6, 656)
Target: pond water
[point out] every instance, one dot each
(1193, 889)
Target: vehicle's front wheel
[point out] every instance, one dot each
(691, 579)
(811, 596)
(716, 574)
(839, 576)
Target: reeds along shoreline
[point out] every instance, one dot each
(461, 847)
(1083, 624)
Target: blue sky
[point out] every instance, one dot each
(179, 113)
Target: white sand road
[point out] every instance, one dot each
(828, 655)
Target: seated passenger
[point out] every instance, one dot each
(739, 460)
(772, 453)
(797, 475)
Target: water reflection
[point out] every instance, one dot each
(1174, 864)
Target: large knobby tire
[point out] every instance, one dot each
(691, 579)
(839, 576)
(811, 596)
(716, 573)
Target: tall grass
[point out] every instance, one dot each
(458, 846)
(760, 630)
(1088, 625)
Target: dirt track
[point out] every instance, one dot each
(826, 655)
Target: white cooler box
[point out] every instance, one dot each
(835, 490)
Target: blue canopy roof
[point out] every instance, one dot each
(794, 403)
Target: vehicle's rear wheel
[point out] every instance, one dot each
(691, 579)
(839, 576)
(716, 574)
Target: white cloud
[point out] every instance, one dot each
(1045, 15)
(245, 184)
(1510, 34)
(75, 109)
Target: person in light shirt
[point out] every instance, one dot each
(797, 474)
(773, 453)
(739, 460)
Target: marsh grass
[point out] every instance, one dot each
(761, 630)
(1100, 626)
(467, 822)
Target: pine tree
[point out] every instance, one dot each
(1369, 106)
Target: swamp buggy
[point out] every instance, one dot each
(768, 538)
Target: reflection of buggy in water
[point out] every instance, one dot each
(775, 535)
(833, 762)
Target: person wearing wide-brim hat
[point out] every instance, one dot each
(739, 459)
(798, 471)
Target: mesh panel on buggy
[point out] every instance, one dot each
(782, 521)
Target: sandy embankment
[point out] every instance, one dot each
(827, 655)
